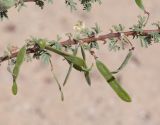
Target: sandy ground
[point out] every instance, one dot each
(38, 101)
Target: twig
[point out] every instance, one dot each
(29, 0)
(86, 40)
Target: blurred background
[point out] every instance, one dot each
(38, 101)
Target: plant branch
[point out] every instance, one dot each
(110, 36)
(29, 0)
(87, 40)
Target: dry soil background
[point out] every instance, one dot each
(38, 101)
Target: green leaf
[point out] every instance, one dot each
(83, 53)
(124, 63)
(78, 63)
(14, 88)
(87, 77)
(57, 81)
(140, 4)
(112, 81)
(96, 28)
(50, 1)
(68, 73)
(59, 52)
(6, 4)
(71, 66)
(19, 61)
(86, 74)
(45, 57)
(57, 45)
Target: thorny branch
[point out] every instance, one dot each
(29, 0)
(87, 40)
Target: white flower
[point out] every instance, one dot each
(79, 26)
